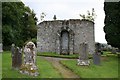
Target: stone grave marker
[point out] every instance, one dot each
(83, 58)
(114, 51)
(16, 55)
(97, 54)
(29, 64)
(13, 55)
(1, 47)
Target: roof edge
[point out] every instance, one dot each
(66, 20)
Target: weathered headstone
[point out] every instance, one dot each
(29, 65)
(83, 58)
(1, 47)
(13, 55)
(97, 54)
(114, 51)
(16, 57)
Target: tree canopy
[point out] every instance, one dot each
(112, 24)
(18, 24)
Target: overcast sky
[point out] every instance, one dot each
(70, 9)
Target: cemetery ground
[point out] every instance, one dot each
(0, 65)
(107, 69)
(44, 67)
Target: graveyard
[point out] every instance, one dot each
(107, 69)
(46, 68)
(34, 48)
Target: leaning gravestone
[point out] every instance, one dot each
(29, 64)
(83, 58)
(97, 54)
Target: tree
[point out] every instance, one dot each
(42, 16)
(17, 25)
(112, 24)
(90, 15)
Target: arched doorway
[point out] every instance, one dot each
(64, 42)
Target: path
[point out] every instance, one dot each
(65, 72)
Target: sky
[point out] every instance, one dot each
(70, 9)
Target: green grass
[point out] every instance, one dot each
(70, 56)
(45, 68)
(51, 54)
(107, 69)
(0, 65)
(108, 53)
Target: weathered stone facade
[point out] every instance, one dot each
(65, 36)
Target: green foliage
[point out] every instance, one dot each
(112, 24)
(18, 24)
(34, 40)
(107, 69)
(45, 69)
(90, 15)
(51, 54)
(42, 16)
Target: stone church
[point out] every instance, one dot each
(65, 36)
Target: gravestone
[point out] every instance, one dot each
(16, 57)
(83, 58)
(1, 47)
(97, 54)
(29, 64)
(114, 51)
(13, 56)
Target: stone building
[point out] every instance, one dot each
(65, 36)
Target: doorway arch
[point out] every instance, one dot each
(65, 30)
(64, 42)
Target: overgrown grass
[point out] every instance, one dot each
(45, 68)
(51, 54)
(107, 69)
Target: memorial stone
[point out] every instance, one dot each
(97, 54)
(19, 57)
(1, 47)
(29, 64)
(16, 55)
(83, 58)
(13, 55)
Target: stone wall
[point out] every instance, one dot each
(49, 35)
